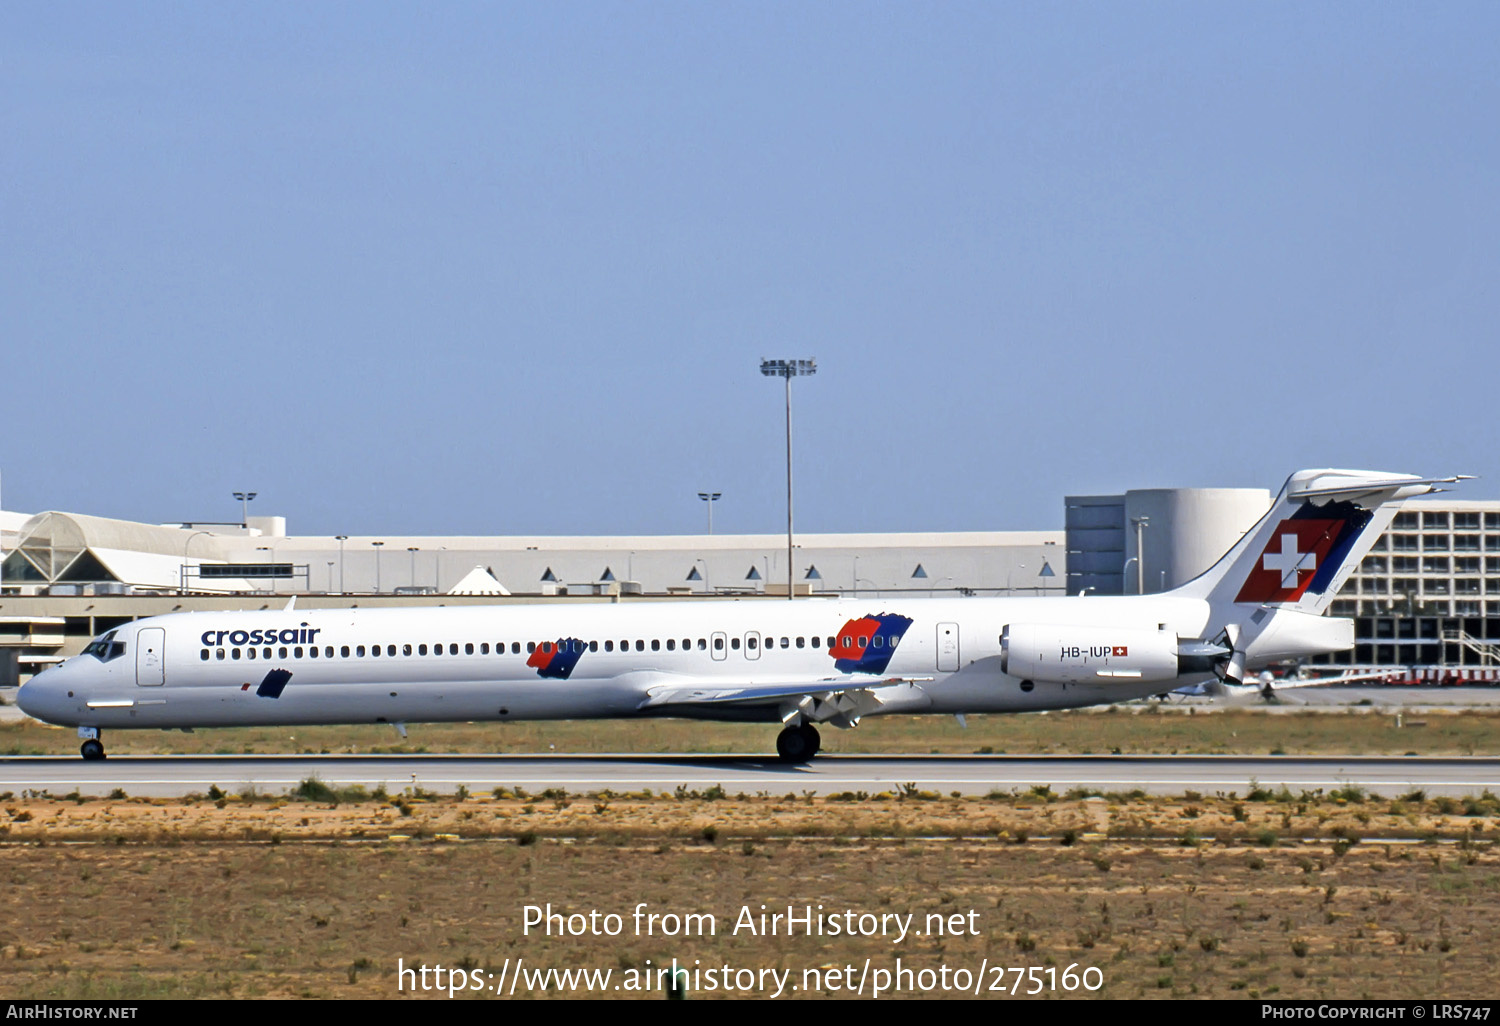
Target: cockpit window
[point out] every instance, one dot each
(105, 647)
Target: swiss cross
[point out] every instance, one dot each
(1288, 561)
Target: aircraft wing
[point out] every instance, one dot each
(763, 692)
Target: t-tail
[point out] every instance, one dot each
(1268, 593)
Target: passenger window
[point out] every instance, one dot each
(718, 644)
(593, 646)
(421, 650)
(609, 646)
(816, 641)
(469, 648)
(702, 644)
(297, 652)
(671, 644)
(848, 641)
(250, 653)
(863, 642)
(312, 651)
(891, 642)
(801, 643)
(546, 646)
(515, 648)
(374, 650)
(832, 641)
(203, 655)
(234, 653)
(484, 648)
(282, 653)
(360, 651)
(640, 646)
(406, 650)
(219, 653)
(655, 645)
(734, 643)
(749, 642)
(390, 650)
(786, 642)
(453, 648)
(265, 653)
(344, 651)
(877, 641)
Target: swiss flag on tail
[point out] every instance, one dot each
(1296, 551)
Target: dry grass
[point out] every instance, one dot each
(1136, 729)
(1285, 895)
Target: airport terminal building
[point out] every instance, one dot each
(1428, 594)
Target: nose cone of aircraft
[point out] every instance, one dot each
(45, 696)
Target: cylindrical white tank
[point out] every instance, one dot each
(1186, 530)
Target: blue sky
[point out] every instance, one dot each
(510, 268)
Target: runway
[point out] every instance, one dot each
(174, 776)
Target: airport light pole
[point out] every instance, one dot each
(1125, 570)
(244, 498)
(709, 498)
(342, 538)
(413, 549)
(377, 546)
(787, 370)
(330, 577)
(1140, 523)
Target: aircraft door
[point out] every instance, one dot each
(719, 645)
(752, 644)
(947, 646)
(150, 656)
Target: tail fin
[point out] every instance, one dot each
(1300, 553)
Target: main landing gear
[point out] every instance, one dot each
(798, 744)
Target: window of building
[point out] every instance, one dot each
(1435, 520)
(1466, 543)
(1374, 565)
(1405, 521)
(1405, 542)
(1382, 544)
(1466, 521)
(1466, 565)
(1437, 543)
(1492, 521)
(1435, 565)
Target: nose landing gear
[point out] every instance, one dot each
(92, 748)
(798, 744)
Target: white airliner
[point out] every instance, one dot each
(812, 661)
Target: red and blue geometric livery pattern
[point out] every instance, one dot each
(1304, 553)
(556, 659)
(866, 644)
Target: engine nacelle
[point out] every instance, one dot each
(1069, 654)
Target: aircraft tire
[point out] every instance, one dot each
(92, 750)
(814, 739)
(794, 746)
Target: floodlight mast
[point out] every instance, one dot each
(244, 498)
(789, 369)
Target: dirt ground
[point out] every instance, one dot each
(321, 894)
